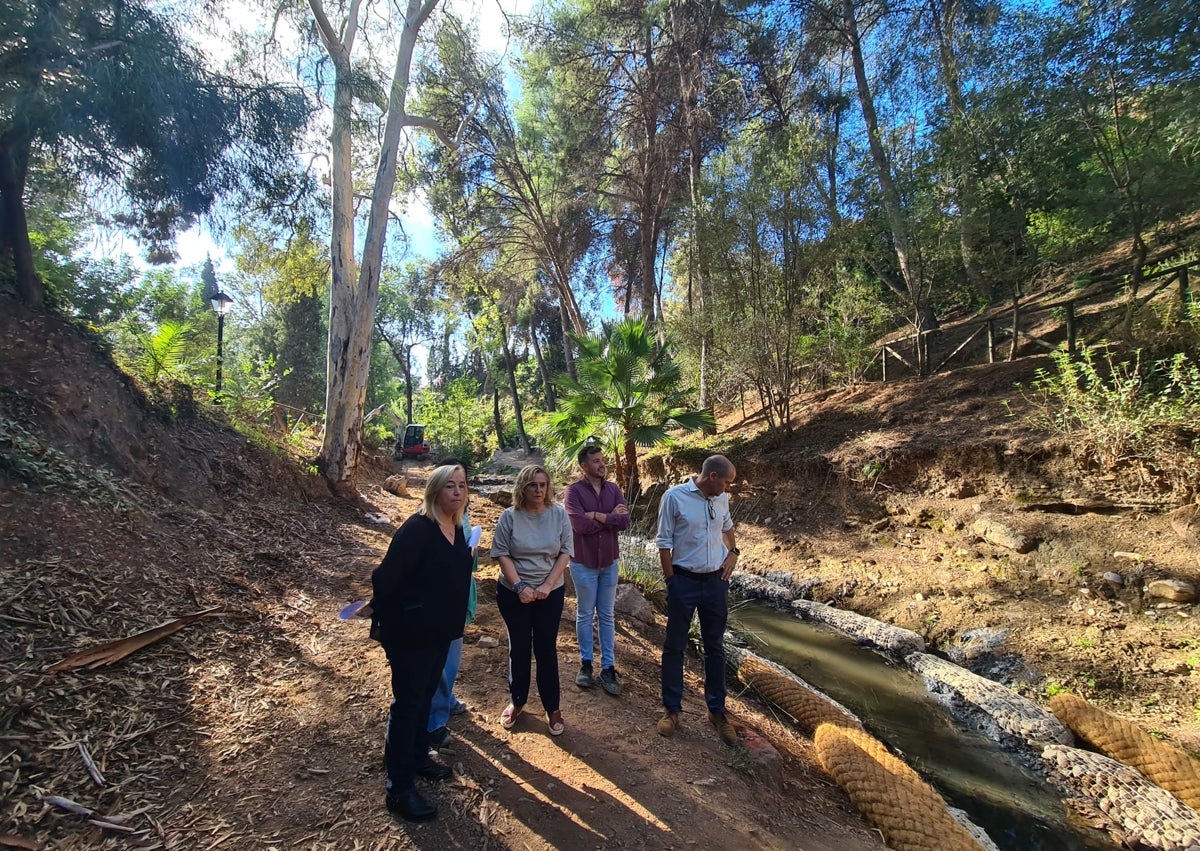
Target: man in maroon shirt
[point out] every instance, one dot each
(598, 512)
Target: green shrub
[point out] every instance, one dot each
(1122, 410)
(640, 567)
(1059, 237)
(457, 421)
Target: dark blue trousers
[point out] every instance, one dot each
(416, 672)
(532, 634)
(709, 598)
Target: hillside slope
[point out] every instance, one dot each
(898, 497)
(261, 726)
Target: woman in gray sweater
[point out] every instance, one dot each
(534, 545)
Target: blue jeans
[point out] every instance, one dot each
(443, 698)
(709, 598)
(595, 593)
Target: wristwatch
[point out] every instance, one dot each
(517, 588)
(735, 551)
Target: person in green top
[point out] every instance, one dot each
(445, 703)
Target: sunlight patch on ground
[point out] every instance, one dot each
(589, 784)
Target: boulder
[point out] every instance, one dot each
(1002, 535)
(1174, 590)
(397, 485)
(765, 761)
(1186, 523)
(630, 603)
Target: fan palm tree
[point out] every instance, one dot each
(629, 391)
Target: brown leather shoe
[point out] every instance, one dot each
(668, 724)
(724, 729)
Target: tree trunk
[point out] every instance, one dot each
(14, 227)
(408, 382)
(510, 368)
(942, 17)
(404, 358)
(543, 370)
(632, 484)
(344, 397)
(883, 168)
(354, 299)
(568, 353)
(691, 80)
(646, 243)
(497, 423)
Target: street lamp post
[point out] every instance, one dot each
(220, 305)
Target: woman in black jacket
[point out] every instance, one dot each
(419, 608)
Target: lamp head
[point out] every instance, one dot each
(221, 303)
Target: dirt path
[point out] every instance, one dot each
(610, 779)
(263, 728)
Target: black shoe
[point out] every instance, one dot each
(431, 770)
(610, 682)
(410, 806)
(439, 738)
(584, 678)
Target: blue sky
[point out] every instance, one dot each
(200, 242)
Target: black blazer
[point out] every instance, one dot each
(422, 584)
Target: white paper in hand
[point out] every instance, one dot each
(476, 534)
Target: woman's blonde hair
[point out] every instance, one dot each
(437, 481)
(525, 477)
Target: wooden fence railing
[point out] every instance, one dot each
(1071, 313)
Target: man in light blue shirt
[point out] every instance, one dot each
(698, 552)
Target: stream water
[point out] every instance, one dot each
(1019, 811)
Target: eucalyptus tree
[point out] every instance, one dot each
(109, 90)
(705, 50)
(843, 28)
(540, 317)
(354, 285)
(407, 318)
(761, 248)
(954, 28)
(487, 282)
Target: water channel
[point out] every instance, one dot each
(1019, 811)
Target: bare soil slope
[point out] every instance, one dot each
(892, 494)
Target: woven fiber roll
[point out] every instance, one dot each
(893, 797)
(1167, 766)
(809, 707)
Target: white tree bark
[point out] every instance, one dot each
(354, 289)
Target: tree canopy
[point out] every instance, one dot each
(108, 90)
(770, 184)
